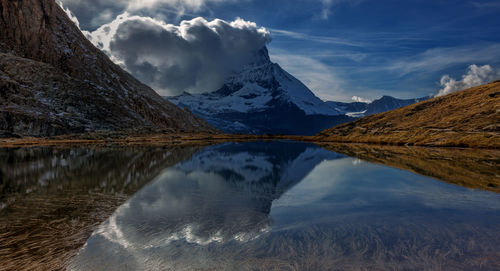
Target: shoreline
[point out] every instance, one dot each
(158, 139)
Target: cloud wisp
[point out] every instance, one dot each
(328, 5)
(437, 59)
(320, 39)
(322, 79)
(475, 76)
(194, 56)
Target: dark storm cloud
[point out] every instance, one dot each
(195, 56)
(94, 13)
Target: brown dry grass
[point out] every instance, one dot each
(124, 139)
(468, 118)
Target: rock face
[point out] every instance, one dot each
(54, 81)
(263, 98)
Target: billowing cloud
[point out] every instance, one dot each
(195, 56)
(94, 13)
(475, 76)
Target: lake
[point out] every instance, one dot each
(259, 205)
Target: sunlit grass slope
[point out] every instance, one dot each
(468, 118)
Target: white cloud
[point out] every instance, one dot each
(69, 13)
(475, 76)
(360, 99)
(195, 56)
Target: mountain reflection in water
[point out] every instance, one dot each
(295, 206)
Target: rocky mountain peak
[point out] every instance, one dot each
(260, 57)
(261, 97)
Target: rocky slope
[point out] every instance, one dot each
(466, 118)
(54, 81)
(262, 98)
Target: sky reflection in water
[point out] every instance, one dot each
(295, 206)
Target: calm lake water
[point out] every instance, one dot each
(247, 206)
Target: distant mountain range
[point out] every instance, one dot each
(263, 98)
(468, 118)
(386, 103)
(54, 81)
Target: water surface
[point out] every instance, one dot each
(267, 206)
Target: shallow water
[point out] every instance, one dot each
(248, 206)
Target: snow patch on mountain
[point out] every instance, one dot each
(258, 86)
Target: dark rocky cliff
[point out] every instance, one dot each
(54, 81)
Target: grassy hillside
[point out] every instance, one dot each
(468, 118)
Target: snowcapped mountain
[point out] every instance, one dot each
(354, 109)
(385, 103)
(262, 98)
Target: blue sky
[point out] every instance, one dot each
(345, 48)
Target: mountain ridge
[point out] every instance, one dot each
(382, 104)
(467, 118)
(83, 90)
